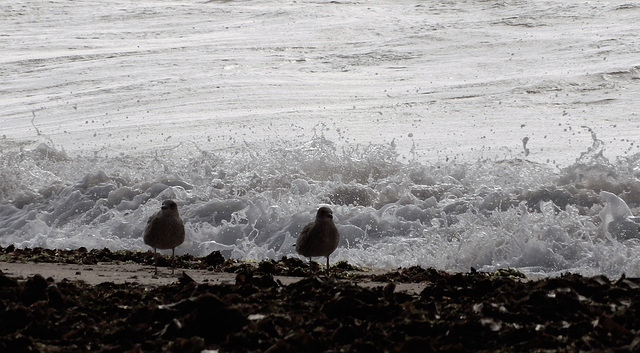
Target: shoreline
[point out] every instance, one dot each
(98, 266)
(142, 275)
(215, 305)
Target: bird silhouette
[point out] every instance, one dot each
(319, 238)
(165, 230)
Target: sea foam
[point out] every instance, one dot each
(391, 212)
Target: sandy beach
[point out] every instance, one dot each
(142, 275)
(68, 301)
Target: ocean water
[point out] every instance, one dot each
(459, 134)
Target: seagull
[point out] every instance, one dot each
(319, 238)
(165, 230)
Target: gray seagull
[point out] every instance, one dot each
(165, 230)
(319, 238)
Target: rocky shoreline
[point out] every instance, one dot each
(288, 306)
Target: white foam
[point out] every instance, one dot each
(251, 115)
(617, 220)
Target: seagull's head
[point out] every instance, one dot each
(324, 213)
(169, 206)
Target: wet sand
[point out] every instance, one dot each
(142, 275)
(103, 301)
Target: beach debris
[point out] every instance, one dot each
(454, 312)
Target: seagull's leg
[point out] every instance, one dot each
(310, 265)
(327, 264)
(155, 260)
(173, 261)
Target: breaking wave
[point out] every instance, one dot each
(391, 211)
